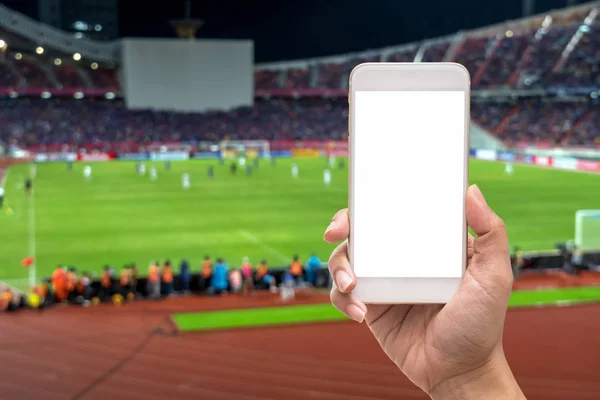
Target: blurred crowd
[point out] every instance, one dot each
(66, 285)
(543, 122)
(31, 122)
(28, 71)
(90, 123)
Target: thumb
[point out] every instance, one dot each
(491, 258)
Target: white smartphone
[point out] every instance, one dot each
(409, 147)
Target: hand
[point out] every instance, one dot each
(453, 350)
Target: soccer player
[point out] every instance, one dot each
(508, 168)
(327, 177)
(1, 197)
(211, 172)
(153, 173)
(167, 165)
(295, 170)
(185, 181)
(28, 186)
(87, 172)
(233, 168)
(242, 161)
(142, 169)
(331, 161)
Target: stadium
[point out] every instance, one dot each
(133, 169)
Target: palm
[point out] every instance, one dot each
(430, 343)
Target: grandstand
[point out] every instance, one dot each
(536, 81)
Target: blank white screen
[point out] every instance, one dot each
(408, 194)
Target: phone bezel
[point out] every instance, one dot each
(398, 77)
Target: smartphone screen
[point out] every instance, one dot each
(408, 183)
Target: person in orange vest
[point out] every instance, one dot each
(71, 281)
(263, 279)
(206, 274)
(297, 270)
(47, 291)
(153, 285)
(106, 288)
(6, 300)
(167, 278)
(125, 281)
(41, 292)
(59, 284)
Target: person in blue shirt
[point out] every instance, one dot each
(184, 276)
(312, 267)
(218, 282)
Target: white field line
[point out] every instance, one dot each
(253, 239)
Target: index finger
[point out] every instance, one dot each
(339, 228)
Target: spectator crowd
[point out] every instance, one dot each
(67, 285)
(47, 125)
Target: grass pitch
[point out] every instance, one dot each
(120, 217)
(274, 316)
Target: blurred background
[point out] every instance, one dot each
(167, 170)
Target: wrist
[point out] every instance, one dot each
(493, 380)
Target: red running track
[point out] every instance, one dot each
(133, 352)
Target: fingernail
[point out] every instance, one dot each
(330, 227)
(355, 313)
(479, 195)
(342, 280)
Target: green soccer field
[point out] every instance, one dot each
(120, 217)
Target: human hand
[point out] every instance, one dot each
(452, 350)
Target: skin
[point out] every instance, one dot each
(451, 351)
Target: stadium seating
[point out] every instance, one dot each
(540, 122)
(267, 79)
(404, 56)
(298, 78)
(68, 76)
(472, 54)
(521, 55)
(103, 78)
(436, 52)
(94, 123)
(503, 61)
(34, 74)
(7, 75)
